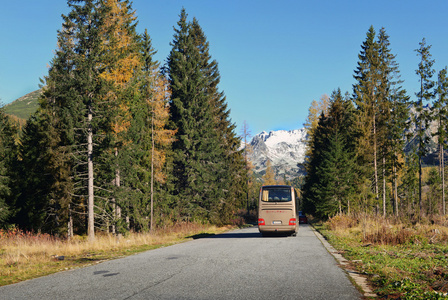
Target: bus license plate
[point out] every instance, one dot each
(277, 222)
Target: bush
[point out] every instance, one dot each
(341, 222)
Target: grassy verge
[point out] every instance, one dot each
(401, 261)
(25, 256)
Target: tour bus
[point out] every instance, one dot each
(277, 210)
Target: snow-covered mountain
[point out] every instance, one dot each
(285, 149)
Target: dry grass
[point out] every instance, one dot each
(403, 259)
(25, 255)
(390, 231)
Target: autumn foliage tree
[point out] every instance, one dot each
(86, 125)
(118, 143)
(269, 176)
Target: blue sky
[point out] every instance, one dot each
(274, 57)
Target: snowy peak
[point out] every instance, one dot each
(282, 136)
(285, 149)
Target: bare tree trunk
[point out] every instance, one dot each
(348, 207)
(91, 220)
(420, 159)
(443, 180)
(245, 136)
(384, 187)
(117, 208)
(340, 207)
(395, 183)
(70, 224)
(375, 165)
(151, 226)
(420, 204)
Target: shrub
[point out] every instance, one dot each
(342, 222)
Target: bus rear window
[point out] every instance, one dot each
(276, 195)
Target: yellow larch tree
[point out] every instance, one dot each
(269, 176)
(121, 63)
(314, 113)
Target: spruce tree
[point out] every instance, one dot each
(8, 160)
(46, 153)
(382, 112)
(434, 192)
(410, 183)
(45, 185)
(366, 94)
(335, 171)
(188, 109)
(330, 180)
(231, 180)
(85, 19)
(440, 114)
(151, 142)
(393, 108)
(196, 106)
(316, 145)
(66, 112)
(422, 118)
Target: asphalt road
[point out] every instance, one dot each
(235, 265)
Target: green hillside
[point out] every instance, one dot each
(24, 106)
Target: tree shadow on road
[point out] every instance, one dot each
(227, 235)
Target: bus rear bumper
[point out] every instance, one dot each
(280, 229)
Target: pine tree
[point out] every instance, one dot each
(421, 118)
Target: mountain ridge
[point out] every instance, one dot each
(24, 106)
(284, 148)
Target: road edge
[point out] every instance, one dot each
(357, 278)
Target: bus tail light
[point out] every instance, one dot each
(292, 221)
(261, 222)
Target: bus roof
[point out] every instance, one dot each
(275, 186)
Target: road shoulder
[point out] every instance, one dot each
(359, 280)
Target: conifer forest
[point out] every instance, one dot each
(120, 142)
(375, 150)
(123, 143)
